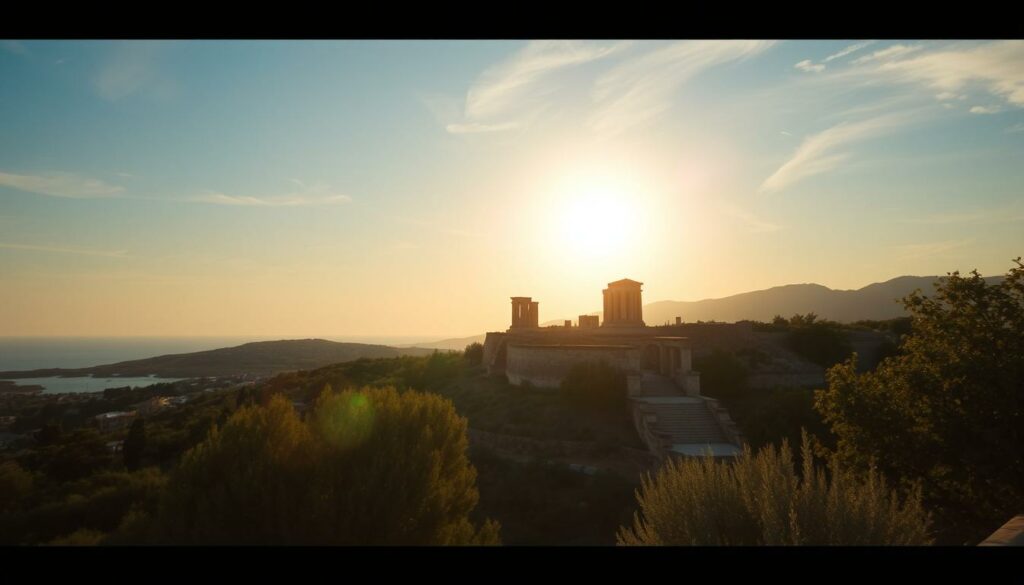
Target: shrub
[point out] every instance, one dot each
(760, 500)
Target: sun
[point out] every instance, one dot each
(597, 220)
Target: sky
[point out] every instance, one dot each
(409, 188)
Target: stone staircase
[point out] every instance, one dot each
(671, 422)
(688, 423)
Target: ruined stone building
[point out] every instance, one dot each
(669, 411)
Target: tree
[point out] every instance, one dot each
(946, 410)
(135, 445)
(370, 466)
(760, 500)
(474, 354)
(818, 341)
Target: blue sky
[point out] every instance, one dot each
(410, 188)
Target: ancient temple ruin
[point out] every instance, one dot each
(665, 399)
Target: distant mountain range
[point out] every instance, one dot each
(263, 357)
(875, 301)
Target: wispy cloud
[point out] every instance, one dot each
(996, 67)
(752, 222)
(638, 90)
(809, 66)
(1016, 128)
(130, 69)
(60, 185)
(503, 91)
(62, 250)
(315, 195)
(914, 251)
(889, 52)
(823, 151)
(847, 50)
(985, 109)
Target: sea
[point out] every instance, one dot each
(33, 353)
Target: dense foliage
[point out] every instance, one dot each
(474, 354)
(761, 500)
(764, 416)
(947, 409)
(372, 466)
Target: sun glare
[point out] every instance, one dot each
(597, 220)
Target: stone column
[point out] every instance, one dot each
(607, 314)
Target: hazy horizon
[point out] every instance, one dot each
(409, 188)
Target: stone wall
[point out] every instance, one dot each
(492, 345)
(544, 366)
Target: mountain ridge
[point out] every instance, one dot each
(256, 357)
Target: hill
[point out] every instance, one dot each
(875, 301)
(261, 358)
(454, 343)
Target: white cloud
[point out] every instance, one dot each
(60, 185)
(914, 251)
(638, 90)
(503, 91)
(79, 251)
(997, 67)
(948, 95)
(846, 51)
(889, 52)
(632, 92)
(818, 153)
(986, 109)
(316, 195)
(754, 224)
(809, 67)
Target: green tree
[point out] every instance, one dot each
(818, 341)
(474, 354)
(372, 466)
(946, 411)
(135, 445)
(761, 500)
